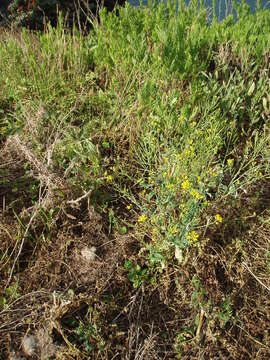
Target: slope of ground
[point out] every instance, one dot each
(134, 188)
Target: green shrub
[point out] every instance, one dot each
(34, 13)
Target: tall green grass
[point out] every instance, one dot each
(191, 94)
(155, 109)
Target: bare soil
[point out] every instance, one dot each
(183, 312)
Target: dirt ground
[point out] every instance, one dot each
(63, 282)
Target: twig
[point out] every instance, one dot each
(200, 323)
(73, 202)
(31, 294)
(252, 338)
(255, 277)
(21, 245)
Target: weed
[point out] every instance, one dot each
(149, 140)
(136, 274)
(226, 312)
(11, 294)
(89, 337)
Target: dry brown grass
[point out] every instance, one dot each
(56, 285)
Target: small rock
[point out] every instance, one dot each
(89, 254)
(179, 254)
(47, 348)
(29, 345)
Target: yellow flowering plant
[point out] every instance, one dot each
(142, 219)
(218, 218)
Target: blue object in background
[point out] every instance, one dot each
(223, 7)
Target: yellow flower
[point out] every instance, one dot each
(181, 118)
(172, 229)
(179, 156)
(142, 193)
(129, 207)
(142, 219)
(195, 193)
(182, 206)
(154, 230)
(185, 185)
(193, 237)
(218, 218)
(230, 162)
(109, 178)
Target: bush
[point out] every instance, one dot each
(32, 13)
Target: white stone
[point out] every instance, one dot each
(29, 345)
(178, 254)
(89, 254)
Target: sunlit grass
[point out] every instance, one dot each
(157, 118)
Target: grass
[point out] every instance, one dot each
(148, 141)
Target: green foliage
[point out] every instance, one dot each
(267, 256)
(159, 120)
(10, 294)
(226, 312)
(155, 107)
(90, 338)
(136, 274)
(191, 118)
(198, 298)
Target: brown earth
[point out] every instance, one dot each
(216, 305)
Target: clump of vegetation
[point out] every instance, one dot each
(35, 14)
(147, 140)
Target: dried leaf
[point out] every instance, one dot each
(251, 89)
(265, 104)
